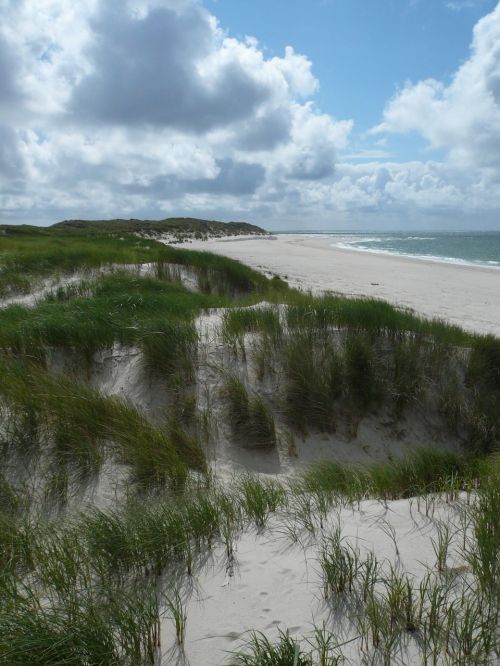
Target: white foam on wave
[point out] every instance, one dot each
(349, 245)
(369, 239)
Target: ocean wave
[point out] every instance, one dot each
(423, 257)
(357, 239)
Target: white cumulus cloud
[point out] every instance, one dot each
(463, 116)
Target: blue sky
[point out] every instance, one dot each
(362, 50)
(320, 114)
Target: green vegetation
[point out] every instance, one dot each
(340, 565)
(370, 315)
(259, 499)
(183, 226)
(85, 567)
(76, 427)
(80, 628)
(285, 651)
(27, 255)
(313, 382)
(421, 472)
(337, 360)
(446, 617)
(116, 308)
(178, 614)
(484, 553)
(251, 420)
(238, 321)
(259, 650)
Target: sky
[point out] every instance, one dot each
(291, 114)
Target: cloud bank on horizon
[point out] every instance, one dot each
(148, 108)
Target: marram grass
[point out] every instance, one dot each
(423, 471)
(83, 425)
(92, 568)
(29, 256)
(252, 422)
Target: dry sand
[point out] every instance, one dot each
(275, 582)
(468, 296)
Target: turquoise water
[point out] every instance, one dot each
(481, 248)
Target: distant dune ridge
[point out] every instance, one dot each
(169, 230)
(182, 226)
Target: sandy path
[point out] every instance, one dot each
(465, 295)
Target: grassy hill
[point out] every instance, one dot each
(179, 227)
(176, 225)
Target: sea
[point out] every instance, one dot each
(467, 248)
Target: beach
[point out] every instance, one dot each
(468, 296)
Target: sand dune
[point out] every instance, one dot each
(275, 582)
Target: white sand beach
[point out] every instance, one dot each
(468, 296)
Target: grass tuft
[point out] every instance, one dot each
(259, 651)
(251, 420)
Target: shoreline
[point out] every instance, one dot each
(447, 261)
(341, 243)
(466, 295)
